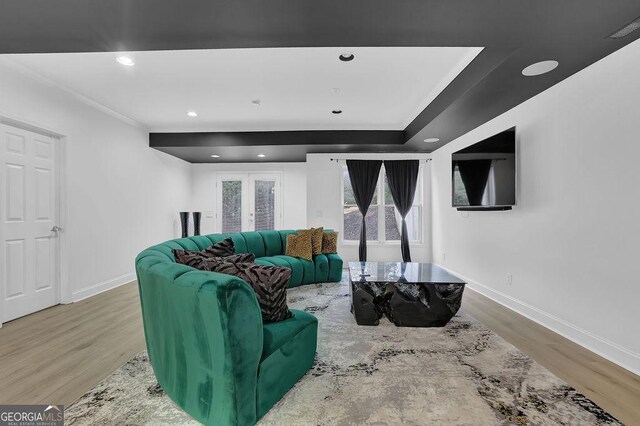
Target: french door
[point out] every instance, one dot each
(248, 202)
(29, 207)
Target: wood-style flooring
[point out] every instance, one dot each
(56, 355)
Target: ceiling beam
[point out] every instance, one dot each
(277, 138)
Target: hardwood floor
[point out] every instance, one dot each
(611, 387)
(56, 355)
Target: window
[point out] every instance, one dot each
(383, 220)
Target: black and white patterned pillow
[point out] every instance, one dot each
(268, 282)
(211, 263)
(198, 260)
(193, 257)
(225, 247)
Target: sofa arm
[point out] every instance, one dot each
(204, 338)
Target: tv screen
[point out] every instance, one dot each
(484, 174)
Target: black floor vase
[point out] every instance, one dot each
(196, 223)
(184, 222)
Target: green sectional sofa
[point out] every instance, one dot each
(208, 346)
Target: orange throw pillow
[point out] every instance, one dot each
(299, 246)
(316, 238)
(329, 242)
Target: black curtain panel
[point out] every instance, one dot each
(474, 175)
(402, 177)
(364, 177)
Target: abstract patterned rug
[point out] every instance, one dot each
(461, 374)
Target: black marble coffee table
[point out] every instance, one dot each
(409, 294)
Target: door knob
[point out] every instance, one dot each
(56, 229)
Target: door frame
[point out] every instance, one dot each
(61, 140)
(245, 177)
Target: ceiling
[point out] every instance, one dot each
(513, 34)
(383, 88)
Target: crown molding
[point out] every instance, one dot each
(79, 97)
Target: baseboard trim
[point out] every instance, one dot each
(613, 352)
(102, 287)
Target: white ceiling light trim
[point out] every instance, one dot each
(540, 68)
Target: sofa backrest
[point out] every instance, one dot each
(203, 331)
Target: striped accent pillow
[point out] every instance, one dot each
(196, 259)
(192, 257)
(268, 282)
(225, 247)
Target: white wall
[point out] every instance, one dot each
(122, 195)
(294, 190)
(324, 198)
(572, 241)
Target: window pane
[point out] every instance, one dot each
(349, 198)
(232, 206)
(393, 223)
(265, 199)
(388, 198)
(391, 229)
(353, 219)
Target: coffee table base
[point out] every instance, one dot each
(406, 305)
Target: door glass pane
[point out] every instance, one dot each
(232, 206)
(265, 201)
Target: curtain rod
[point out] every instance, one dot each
(337, 160)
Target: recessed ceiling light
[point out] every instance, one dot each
(192, 114)
(215, 156)
(431, 140)
(336, 111)
(346, 57)
(126, 61)
(539, 68)
(256, 102)
(261, 155)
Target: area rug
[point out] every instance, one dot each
(461, 374)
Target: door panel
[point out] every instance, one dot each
(44, 262)
(14, 256)
(29, 249)
(15, 190)
(264, 209)
(231, 202)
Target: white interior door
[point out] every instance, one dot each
(249, 201)
(28, 221)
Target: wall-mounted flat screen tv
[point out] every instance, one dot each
(484, 174)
